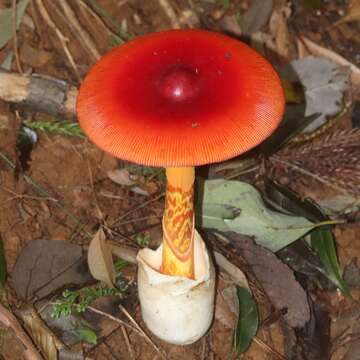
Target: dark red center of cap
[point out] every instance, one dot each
(179, 84)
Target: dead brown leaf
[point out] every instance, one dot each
(47, 265)
(280, 32)
(256, 17)
(121, 177)
(353, 13)
(100, 259)
(306, 47)
(276, 278)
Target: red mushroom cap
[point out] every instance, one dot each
(180, 98)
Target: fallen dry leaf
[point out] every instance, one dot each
(40, 333)
(256, 17)
(306, 47)
(280, 32)
(100, 259)
(225, 304)
(47, 265)
(277, 279)
(121, 177)
(352, 15)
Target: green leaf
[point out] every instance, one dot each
(247, 323)
(322, 241)
(86, 334)
(270, 229)
(2, 264)
(120, 264)
(143, 239)
(6, 28)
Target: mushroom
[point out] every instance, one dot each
(177, 99)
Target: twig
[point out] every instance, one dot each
(9, 320)
(43, 94)
(86, 7)
(169, 11)
(91, 179)
(125, 312)
(59, 34)
(269, 349)
(127, 340)
(112, 22)
(78, 31)
(131, 221)
(15, 39)
(25, 196)
(312, 175)
(136, 328)
(146, 203)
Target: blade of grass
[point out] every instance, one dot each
(323, 242)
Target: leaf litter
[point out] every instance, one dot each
(64, 184)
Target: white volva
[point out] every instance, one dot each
(176, 309)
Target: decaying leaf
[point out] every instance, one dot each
(41, 334)
(307, 47)
(279, 31)
(6, 29)
(346, 326)
(121, 177)
(256, 17)
(100, 259)
(322, 239)
(276, 278)
(324, 83)
(236, 275)
(353, 13)
(44, 266)
(237, 206)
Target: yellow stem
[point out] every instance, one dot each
(178, 223)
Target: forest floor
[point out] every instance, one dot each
(61, 187)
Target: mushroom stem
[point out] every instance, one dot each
(178, 223)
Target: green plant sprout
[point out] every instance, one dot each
(64, 127)
(77, 301)
(143, 239)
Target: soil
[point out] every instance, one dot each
(64, 192)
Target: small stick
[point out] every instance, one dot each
(269, 349)
(169, 11)
(39, 93)
(9, 320)
(125, 312)
(135, 328)
(15, 44)
(275, 158)
(127, 340)
(146, 203)
(83, 36)
(59, 34)
(86, 7)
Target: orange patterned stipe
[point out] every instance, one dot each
(178, 228)
(179, 219)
